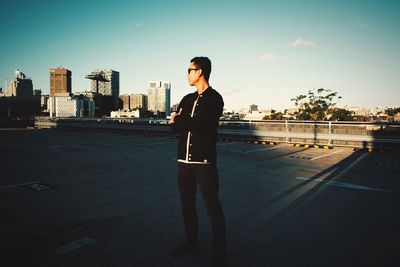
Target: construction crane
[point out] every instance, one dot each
(98, 77)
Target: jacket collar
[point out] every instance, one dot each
(205, 92)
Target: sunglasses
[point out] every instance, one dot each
(189, 70)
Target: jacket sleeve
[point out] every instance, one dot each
(178, 127)
(203, 121)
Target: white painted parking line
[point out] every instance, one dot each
(262, 149)
(346, 185)
(74, 245)
(313, 170)
(17, 185)
(326, 155)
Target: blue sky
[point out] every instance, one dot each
(263, 52)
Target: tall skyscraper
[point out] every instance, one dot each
(138, 101)
(20, 87)
(159, 97)
(111, 87)
(60, 82)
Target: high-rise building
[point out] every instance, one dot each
(43, 102)
(138, 101)
(60, 82)
(20, 87)
(125, 102)
(37, 92)
(87, 98)
(159, 97)
(253, 107)
(174, 107)
(109, 87)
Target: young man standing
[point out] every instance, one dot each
(196, 123)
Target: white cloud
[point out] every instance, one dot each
(268, 57)
(300, 42)
(138, 25)
(233, 91)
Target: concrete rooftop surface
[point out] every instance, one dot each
(95, 199)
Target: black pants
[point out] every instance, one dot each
(206, 176)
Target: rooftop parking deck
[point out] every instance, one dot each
(93, 199)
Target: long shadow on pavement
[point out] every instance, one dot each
(334, 170)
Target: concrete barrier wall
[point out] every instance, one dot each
(303, 132)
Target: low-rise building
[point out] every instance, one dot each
(255, 115)
(65, 106)
(357, 111)
(125, 114)
(396, 117)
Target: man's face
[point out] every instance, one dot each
(193, 74)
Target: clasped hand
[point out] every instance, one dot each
(172, 119)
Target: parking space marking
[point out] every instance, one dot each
(262, 149)
(313, 170)
(18, 185)
(346, 185)
(326, 155)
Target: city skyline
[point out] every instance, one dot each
(263, 52)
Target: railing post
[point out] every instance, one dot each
(287, 131)
(330, 133)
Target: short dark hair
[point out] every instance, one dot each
(203, 63)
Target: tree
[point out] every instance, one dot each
(277, 116)
(274, 116)
(392, 111)
(341, 114)
(316, 105)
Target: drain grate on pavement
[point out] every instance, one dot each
(39, 186)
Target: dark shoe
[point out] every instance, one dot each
(186, 249)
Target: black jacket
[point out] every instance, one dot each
(201, 129)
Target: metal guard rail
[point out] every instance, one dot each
(353, 134)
